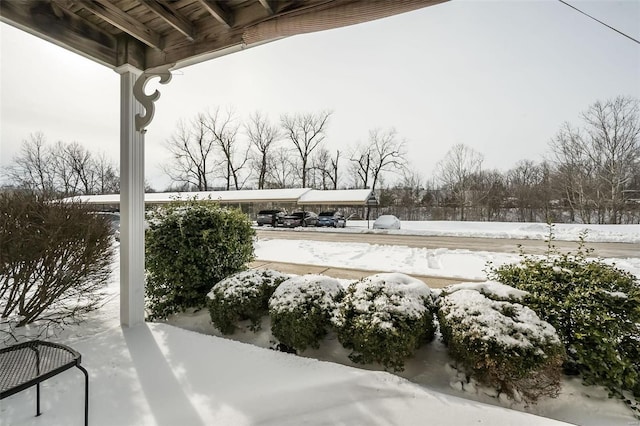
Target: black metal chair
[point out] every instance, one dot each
(27, 364)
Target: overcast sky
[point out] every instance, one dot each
(500, 77)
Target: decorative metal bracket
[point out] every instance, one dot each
(147, 101)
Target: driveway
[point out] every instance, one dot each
(500, 245)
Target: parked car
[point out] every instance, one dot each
(331, 218)
(387, 221)
(273, 217)
(300, 219)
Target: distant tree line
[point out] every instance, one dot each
(591, 173)
(61, 169)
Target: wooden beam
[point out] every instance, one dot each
(224, 43)
(132, 52)
(124, 22)
(62, 28)
(269, 5)
(171, 16)
(223, 16)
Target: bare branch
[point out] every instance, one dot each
(306, 132)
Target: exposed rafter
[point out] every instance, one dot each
(216, 10)
(269, 5)
(124, 22)
(148, 34)
(62, 27)
(171, 16)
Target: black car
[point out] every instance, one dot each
(271, 217)
(331, 218)
(300, 219)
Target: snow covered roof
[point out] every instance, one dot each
(338, 196)
(242, 196)
(304, 196)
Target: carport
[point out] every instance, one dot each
(285, 197)
(145, 39)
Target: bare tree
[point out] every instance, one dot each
(383, 152)
(597, 163)
(333, 175)
(306, 132)
(282, 171)
(262, 138)
(192, 155)
(81, 164)
(411, 193)
(613, 146)
(224, 129)
(32, 166)
(66, 181)
(488, 192)
(327, 168)
(388, 153)
(524, 182)
(61, 170)
(574, 179)
(361, 158)
(455, 173)
(107, 176)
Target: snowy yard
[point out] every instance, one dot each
(159, 374)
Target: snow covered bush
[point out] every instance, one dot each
(502, 344)
(189, 247)
(242, 296)
(55, 258)
(384, 318)
(302, 308)
(594, 306)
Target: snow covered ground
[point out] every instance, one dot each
(441, 262)
(158, 374)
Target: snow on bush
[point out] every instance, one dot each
(302, 308)
(502, 344)
(595, 308)
(384, 318)
(492, 289)
(243, 296)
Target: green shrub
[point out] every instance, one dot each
(55, 258)
(189, 247)
(503, 344)
(242, 296)
(301, 310)
(594, 306)
(384, 318)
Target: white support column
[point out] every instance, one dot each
(136, 112)
(131, 202)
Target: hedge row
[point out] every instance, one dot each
(384, 318)
(593, 306)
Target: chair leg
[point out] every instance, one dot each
(38, 399)
(86, 395)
